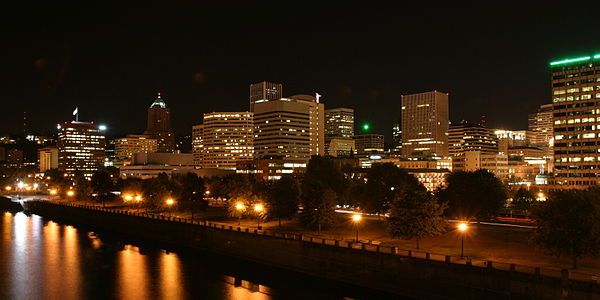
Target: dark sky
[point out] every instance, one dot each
(110, 60)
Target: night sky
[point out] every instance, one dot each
(111, 60)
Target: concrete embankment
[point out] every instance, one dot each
(6, 204)
(375, 267)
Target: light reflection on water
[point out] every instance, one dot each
(42, 259)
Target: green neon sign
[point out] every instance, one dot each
(597, 56)
(570, 60)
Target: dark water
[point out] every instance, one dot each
(42, 259)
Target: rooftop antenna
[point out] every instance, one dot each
(76, 114)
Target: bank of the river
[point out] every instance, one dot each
(376, 267)
(6, 204)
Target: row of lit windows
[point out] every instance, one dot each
(575, 98)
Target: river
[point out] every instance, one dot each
(42, 259)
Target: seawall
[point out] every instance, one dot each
(375, 267)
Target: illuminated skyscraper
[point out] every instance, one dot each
(223, 139)
(369, 143)
(48, 158)
(264, 91)
(339, 131)
(159, 126)
(576, 113)
(425, 124)
(289, 128)
(80, 147)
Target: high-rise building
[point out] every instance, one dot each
(134, 143)
(369, 143)
(576, 106)
(159, 126)
(80, 147)
(540, 130)
(48, 158)
(223, 139)
(339, 122)
(465, 137)
(289, 128)
(397, 138)
(425, 124)
(264, 91)
(339, 131)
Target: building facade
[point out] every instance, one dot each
(289, 128)
(223, 139)
(425, 124)
(134, 143)
(159, 126)
(576, 115)
(47, 158)
(470, 137)
(264, 91)
(81, 147)
(339, 131)
(369, 143)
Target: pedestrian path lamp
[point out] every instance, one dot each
(462, 227)
(258, 209)
(356, 218)
(239, 207)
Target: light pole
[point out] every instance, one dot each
(462, 227)
(170, 203)
(258, 208)
(240, 208)
(356, 219)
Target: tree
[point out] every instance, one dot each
(155, 192)
(384, 182)
(523, 199)
(321, 185)
(568, 223)
(83, 188)
(416, 214)
(102, 184)
(190, 189)
(282, 198)
(472, 194)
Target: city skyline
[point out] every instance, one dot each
(487, 69)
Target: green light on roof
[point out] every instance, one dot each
(366, 127)
(570, 60)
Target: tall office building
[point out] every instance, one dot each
(159, 126)
(425, 124)
(80, 147)
(48, 158)
(397, 138)
(264, 91)
(339, 131)
(540, 125)
(369, 143)
(223, 139)
(465, 137)
(576, 105)
(134, 143)
(289, 128)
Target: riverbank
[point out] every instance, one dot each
(6, 204)
(371, 266)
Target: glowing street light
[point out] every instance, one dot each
(170, 202)
(462, 227)
(128, 197)
(70, 193)
(53, 192)
(8, 187)
(138, 198)
(258, 208)
(356, 218)
(240, 207)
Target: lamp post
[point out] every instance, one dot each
(170, 203)
(462, 227)
(240, 208)
(258, 208)
(356, 219)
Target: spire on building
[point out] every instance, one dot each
(158, 102)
